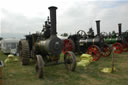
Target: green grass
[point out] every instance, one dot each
(16, 74)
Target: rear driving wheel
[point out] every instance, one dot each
(95, 52)
(70, 61)
(24, 53)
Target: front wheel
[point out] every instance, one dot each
(24, 52)
(70, 61)
(118, 48)
(39, 67)
(95, 52)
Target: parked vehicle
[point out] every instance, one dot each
(9, 45)
(88, 43)
(117, 40)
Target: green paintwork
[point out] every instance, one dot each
(111, 40)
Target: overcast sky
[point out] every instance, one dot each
(24, 16)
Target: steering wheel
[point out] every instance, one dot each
(81, 33)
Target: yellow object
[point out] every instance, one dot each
(81, 64)
(85, 56)
(10, 58)
(108, 70)
(85, 60)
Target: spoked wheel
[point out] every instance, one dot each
(68, 45)
(24, 53)
(94, 51)
(70, 61)
(118, 48)
(125, 46)
(106, 51)
(39, 67)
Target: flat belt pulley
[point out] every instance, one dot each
(68, 45)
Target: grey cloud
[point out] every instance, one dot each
(79, 15)
(17, 23)
(83, 16)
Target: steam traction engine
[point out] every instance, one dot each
(45, 47)
(125, 35)
(82, 43)
(117, 40)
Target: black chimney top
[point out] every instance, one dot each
(98, 27)
(119, 28)
(53, 19)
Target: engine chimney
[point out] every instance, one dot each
(119, 28)
(53, 19)
(98, 27)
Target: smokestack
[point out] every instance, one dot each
(98, 27)
(119, 28)
(53, 19)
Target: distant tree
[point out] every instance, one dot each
(1, 38)
(113, 34)
(64, 34)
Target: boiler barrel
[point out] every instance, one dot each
(51, 46)
(113, 40)
(94, 41)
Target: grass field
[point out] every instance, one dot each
(16, 74)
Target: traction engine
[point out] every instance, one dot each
(88, 43)
(45, 47)
(117, 40)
